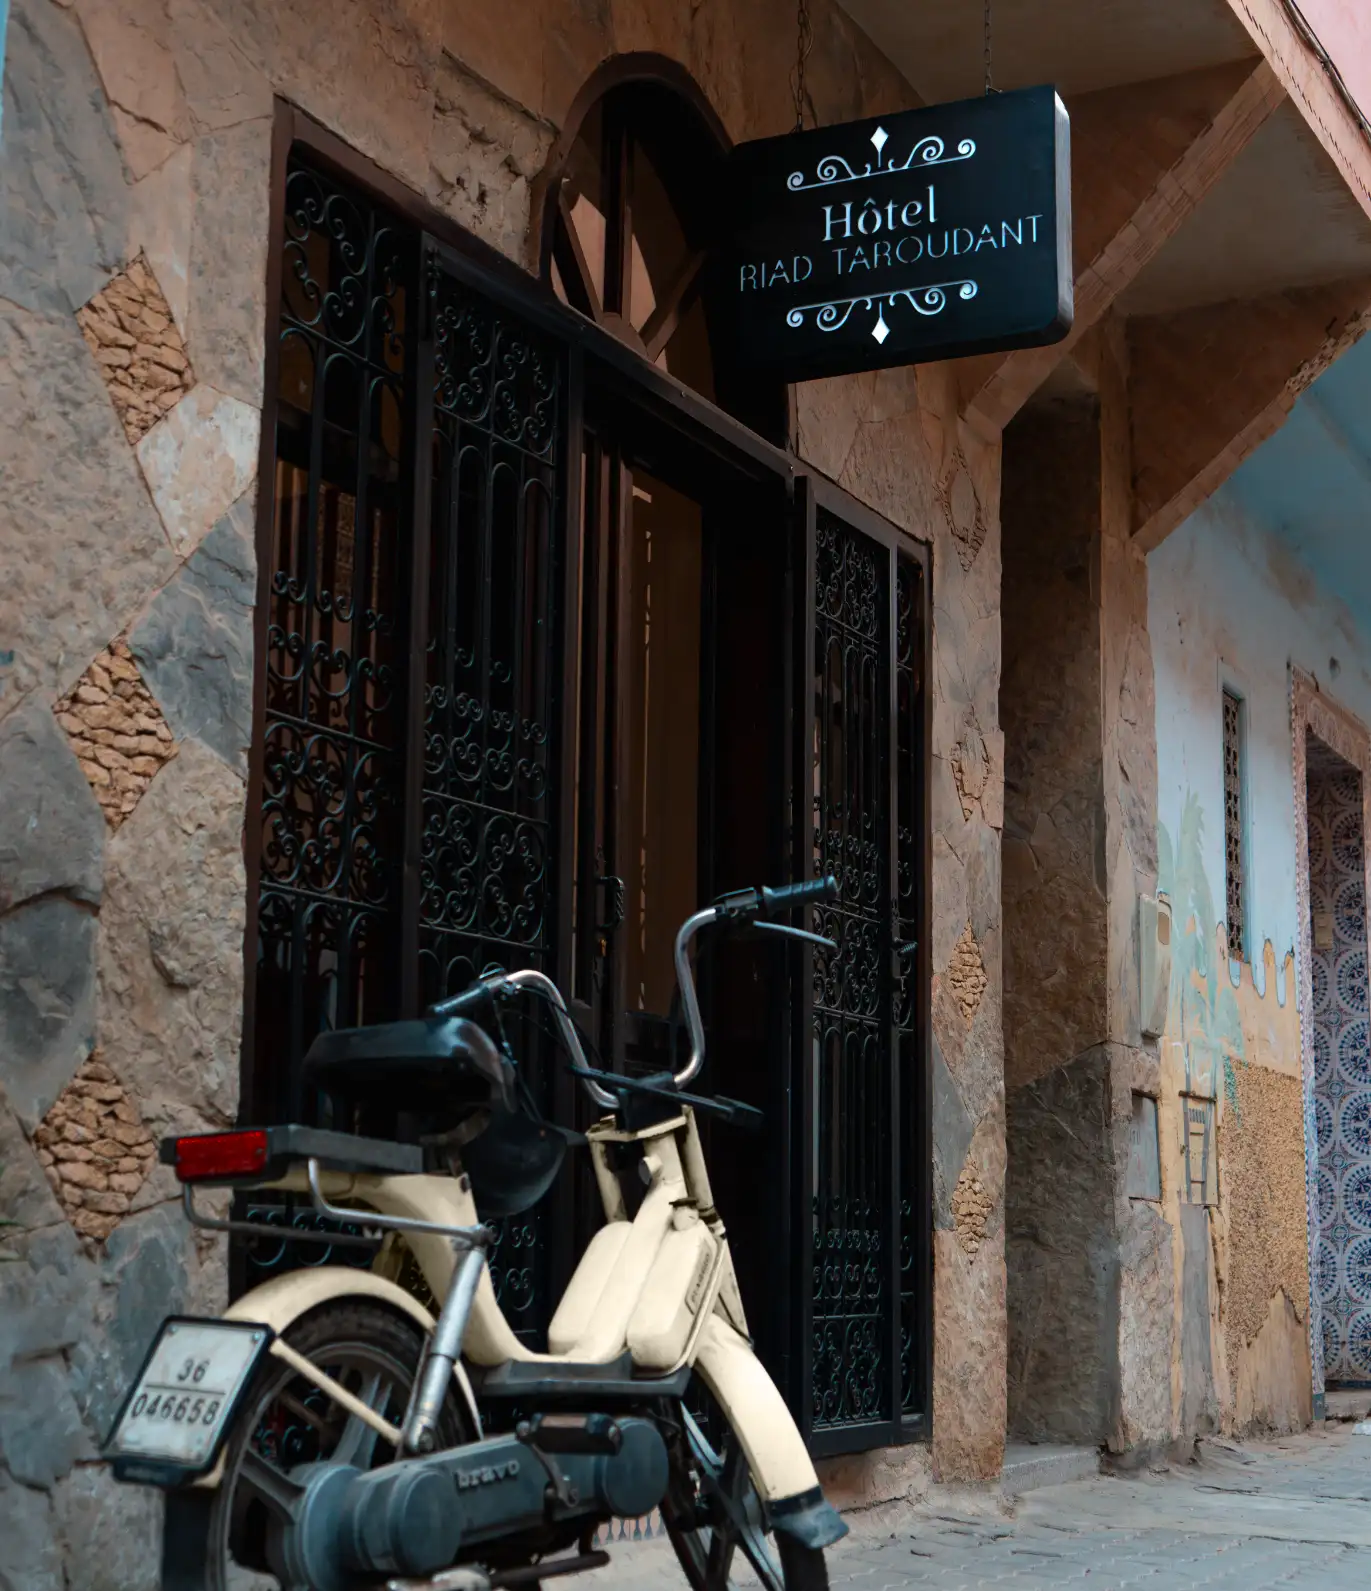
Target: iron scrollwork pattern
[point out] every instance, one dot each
(332, 737)
(852, 1372)
(489, 698)
(910, 824)
(331, 908)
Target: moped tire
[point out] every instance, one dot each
(354, 1340)
(691, 1509)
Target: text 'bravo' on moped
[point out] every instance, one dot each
(332, 1432)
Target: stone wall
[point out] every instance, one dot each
(1063, 1256)
(1148, 1338)
(129, 455)
(1055, 897)
(1080, 810)
(894, 440)
(134, 187)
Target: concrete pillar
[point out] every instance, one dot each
(1089, 1270)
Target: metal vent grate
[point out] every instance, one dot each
(1232, 825)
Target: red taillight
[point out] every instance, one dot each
(220, 1156)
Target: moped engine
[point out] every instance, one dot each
(418, 1516)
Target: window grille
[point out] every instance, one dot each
(1232, 825)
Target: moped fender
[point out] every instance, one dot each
(782, 1470)
(283, 1300)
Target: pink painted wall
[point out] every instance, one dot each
(1344, 30)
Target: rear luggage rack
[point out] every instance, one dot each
(260, 1156)
(252, 1155)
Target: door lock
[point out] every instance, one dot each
(615, 897)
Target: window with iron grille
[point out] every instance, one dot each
(1236, 893)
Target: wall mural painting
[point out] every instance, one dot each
(1203, 1016)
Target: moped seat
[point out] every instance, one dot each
(564, 1381)
(437, 1064)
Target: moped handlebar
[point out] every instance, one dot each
(746, 906)
(758, 908)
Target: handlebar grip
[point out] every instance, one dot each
(776, 902)
(476, 1001)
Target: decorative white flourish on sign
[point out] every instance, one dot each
(927, 152)
(833, 314)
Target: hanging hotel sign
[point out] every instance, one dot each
(929, 234)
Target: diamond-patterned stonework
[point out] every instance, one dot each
(971, 1207)
(129, 329)
(966, 974)
(95, 1149)
(963, 509)
(970, 769)
(116, 730)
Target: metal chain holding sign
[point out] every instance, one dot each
(804, 43)
(989, 80)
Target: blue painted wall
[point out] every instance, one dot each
(1275, 569)
(1229, 599)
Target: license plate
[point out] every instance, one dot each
(179, 1409)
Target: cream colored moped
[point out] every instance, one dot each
(330, 1432)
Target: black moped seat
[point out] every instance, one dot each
(431, 1063)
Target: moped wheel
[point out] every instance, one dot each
(712, 1514)
(217, 1541)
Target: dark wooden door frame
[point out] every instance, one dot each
(599, 362)
(907, 1421)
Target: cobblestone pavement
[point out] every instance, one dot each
(1291, 1514)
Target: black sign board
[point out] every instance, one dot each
(925, 235)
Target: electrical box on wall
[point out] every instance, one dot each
(1154, 963)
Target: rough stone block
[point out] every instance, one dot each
(47, 1000)
(129, 328)
(32, 1561)
(483, 155)
(109, 699)
(80, 544)
(52, 835)
(962, 508)
(108, 1532)
(25, 1197)
(171, 945)
(147, 1263)
(198, 461)
(41, 1434)
(128, 41)
(968, 1358)
(159, 228)
(1063, 1251)
(226, 312)
(952, 1129)
(194, 644)
(63, 197)
(1147, 1330)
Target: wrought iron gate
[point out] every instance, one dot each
(405, 772)
(412, 784)
(865, 1137)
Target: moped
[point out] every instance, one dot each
(332, 1432)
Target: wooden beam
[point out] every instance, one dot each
(660, 326)
(1311, 89)
(1172, 198)
(1210, 385)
